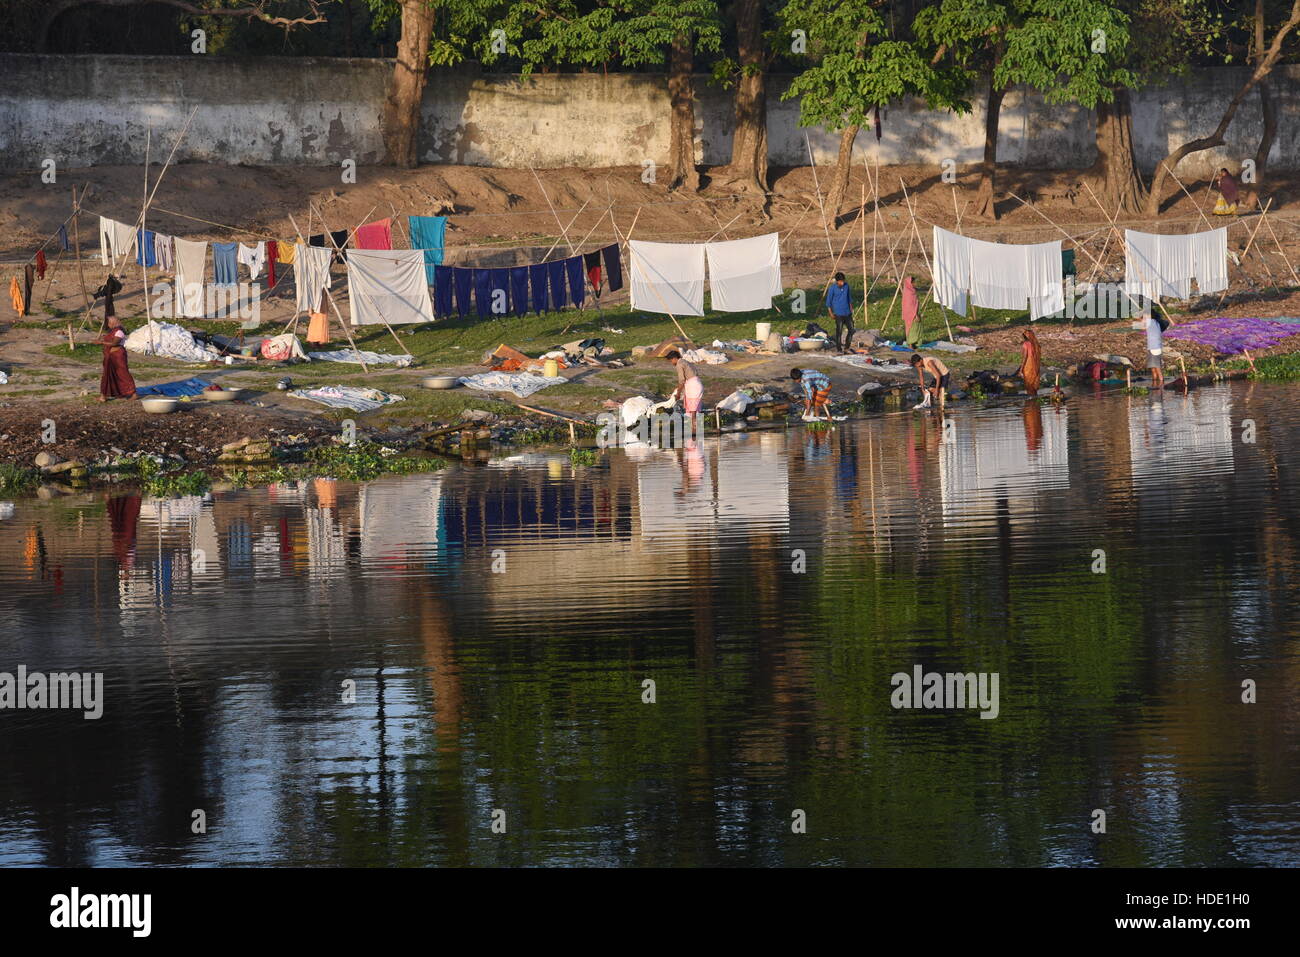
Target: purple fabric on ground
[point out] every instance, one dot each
(1229, 335)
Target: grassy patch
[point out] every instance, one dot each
(1281, 367)
(172, 484)
(17, 478)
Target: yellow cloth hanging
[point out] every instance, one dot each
(286, 252)
(16, 296)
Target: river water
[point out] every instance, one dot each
(685, 657)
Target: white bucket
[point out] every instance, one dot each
(762, 330)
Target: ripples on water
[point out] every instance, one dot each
(226, 627)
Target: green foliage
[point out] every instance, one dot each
(580, 457)
(17, 478)
(170, 484)
(364, 461)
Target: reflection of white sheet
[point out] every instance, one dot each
(400, 515)
(667, 277)
(986, 459)
(1181, 437)
(677, 494)
(744, 274)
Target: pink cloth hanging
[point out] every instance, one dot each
(909, 305)
(376, 235)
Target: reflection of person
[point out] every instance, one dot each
(115, 380)
(688, 383)
(1033, 419)
(839, 303)
(816, 391)
(1029, 365)
(1155, 350)
(1227, 187)
(924, 364)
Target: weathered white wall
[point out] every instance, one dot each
(91, 110)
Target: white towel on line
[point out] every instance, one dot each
(253, 257)
(744, 274)
(116, 240)
(997, 275)
(388, 285)
(311, 275)
(667, 277)
(191, 258)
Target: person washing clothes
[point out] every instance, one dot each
(816, 392)
(839, 303)
(688, 383)
(1155, 349)
(937, 369)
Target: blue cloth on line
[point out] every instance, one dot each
(577, 280)
(442, 284)
(613, 267)
(499, 279)
(483, 292)
(519, 289)
(177, 389)
(463, 279)
(144, 247)
(225, 263)
(559, 295)
(429, 233)
(537, 274)
(63, 238)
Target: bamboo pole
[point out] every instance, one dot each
(830, 250)
(328, 295)
(925, 255)
(337, 248)
(552, 207)
(139, 242)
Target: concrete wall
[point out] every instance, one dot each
(92, 110)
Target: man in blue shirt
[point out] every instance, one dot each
(839, 303)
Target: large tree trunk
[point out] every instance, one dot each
(1116, 166)
(1268, 108)
(984, 202)
(748, 169)
(406, 91)
(1263, 67)
(840, 184)
(681, 95)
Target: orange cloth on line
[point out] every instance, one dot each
(318, 332)
(16, 295)
(285, 252)
(40, 264)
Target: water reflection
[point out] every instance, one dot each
(360, 674)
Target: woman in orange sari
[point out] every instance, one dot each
(1029, 365)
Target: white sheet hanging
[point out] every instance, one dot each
(744, 274)
(311, 274)
(388, 285)
(997, 275)
(191, 259)
(667, 277)
(1162, 265)
(116, 240)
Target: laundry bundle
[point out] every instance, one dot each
(997, 275)
(1159, 265)
(388, 286)
(744, 275)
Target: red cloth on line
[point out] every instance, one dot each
(272, 252)
(910, 305)
(115, 381)
(376, 235)
(40, 264)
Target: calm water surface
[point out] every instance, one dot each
(499, 622)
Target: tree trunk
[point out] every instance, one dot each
(748, 169)
(1116, 166)
(681, 94)
(840, 184)
(1263, 67)
(406, 91)
(984, 202)
(1268, 106)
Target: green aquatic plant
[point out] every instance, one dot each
(583, 456)
(364, 461)
(18, 478)
(171, 484)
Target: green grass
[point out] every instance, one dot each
(17, 478)
(1280, 367)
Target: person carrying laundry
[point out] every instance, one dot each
(924, 364)
(689, 384)
(816, 392)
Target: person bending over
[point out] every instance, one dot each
(816, 392)
(922, 365)
(688, 383)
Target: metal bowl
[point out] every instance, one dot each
(159, 404)
(440, 381)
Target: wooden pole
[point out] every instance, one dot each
(139, 242)
(346, 331)
(830, 250)
(1250, 242)
(339, 249)
(552, 206)
(862, 241)
(925, 255)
